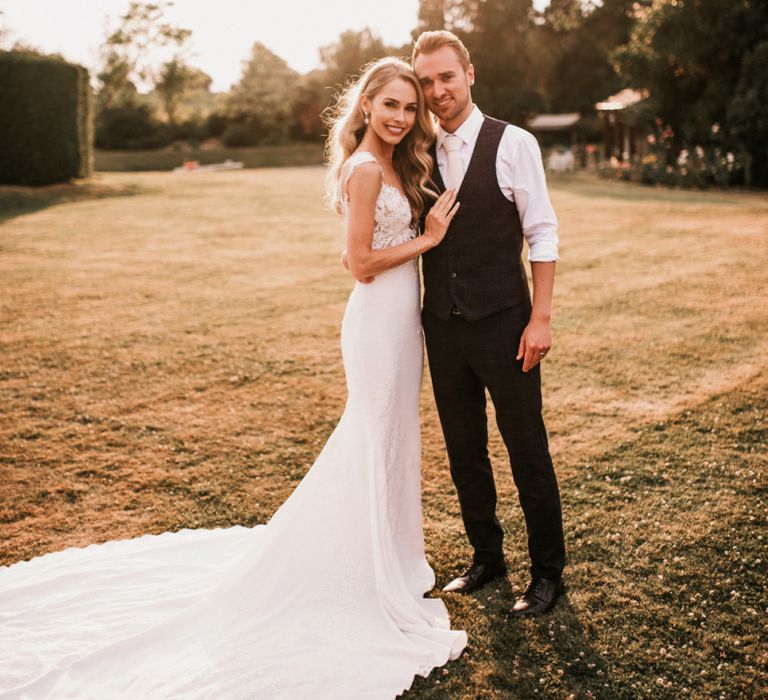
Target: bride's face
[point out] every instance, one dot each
(392, 111)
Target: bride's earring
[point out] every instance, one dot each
(365, 117)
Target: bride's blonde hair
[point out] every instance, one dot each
(345, 120)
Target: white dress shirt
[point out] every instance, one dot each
(520, 173)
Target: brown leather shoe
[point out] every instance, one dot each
(476, 576)
(540, 596)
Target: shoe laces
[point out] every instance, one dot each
(472, 569)
(536, 586)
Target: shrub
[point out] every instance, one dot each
(695, 167)
(192, 130)
(240, 134)
(45, 120)
(132, 127)
(215, 124)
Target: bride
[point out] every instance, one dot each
(326, 599)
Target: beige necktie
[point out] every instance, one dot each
(455, 169)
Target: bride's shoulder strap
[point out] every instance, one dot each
(360, 157)
(352, 162)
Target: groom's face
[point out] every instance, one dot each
(446, 85)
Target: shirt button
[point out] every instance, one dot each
(453, 275)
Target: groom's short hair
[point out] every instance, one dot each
(429, 42)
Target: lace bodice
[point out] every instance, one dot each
(393, 215)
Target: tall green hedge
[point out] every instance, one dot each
(46, 122)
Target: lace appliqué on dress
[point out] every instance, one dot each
(392, 219)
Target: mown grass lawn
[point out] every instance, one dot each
(169, 358)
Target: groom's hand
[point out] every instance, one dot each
(534, 343)
(364, 280)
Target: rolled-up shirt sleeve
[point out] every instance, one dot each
(520, 172)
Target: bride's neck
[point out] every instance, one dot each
(382, 150)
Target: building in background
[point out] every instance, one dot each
(561, 137)
(624, 130)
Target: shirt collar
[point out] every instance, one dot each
(468, 129)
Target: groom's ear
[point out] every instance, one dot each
(471, 74)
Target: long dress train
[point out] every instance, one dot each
(324, 601)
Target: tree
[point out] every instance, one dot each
(130, 62)
(454, 15)
(345, 58)
(176, 78)
(432, 16)
(116, 89)
(748, 113)
(578, 38)
(693, 57)
(260, 105)
(127, 53)
(142, 30)
(311, 98)
(502, 39)
(342, 61)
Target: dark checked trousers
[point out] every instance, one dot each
(465, 358)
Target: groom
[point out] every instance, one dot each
(481, 328)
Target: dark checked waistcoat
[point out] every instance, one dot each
(477, 269)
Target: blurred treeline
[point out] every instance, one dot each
(527, 62)
(703, 63)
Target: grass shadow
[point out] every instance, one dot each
(574, 661)
(18, 201)
(548, 655)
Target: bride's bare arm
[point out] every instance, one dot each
(363, 262)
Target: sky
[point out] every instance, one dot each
(222, 31)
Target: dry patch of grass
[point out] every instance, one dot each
(171, 359)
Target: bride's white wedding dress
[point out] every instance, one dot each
(324, 601)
